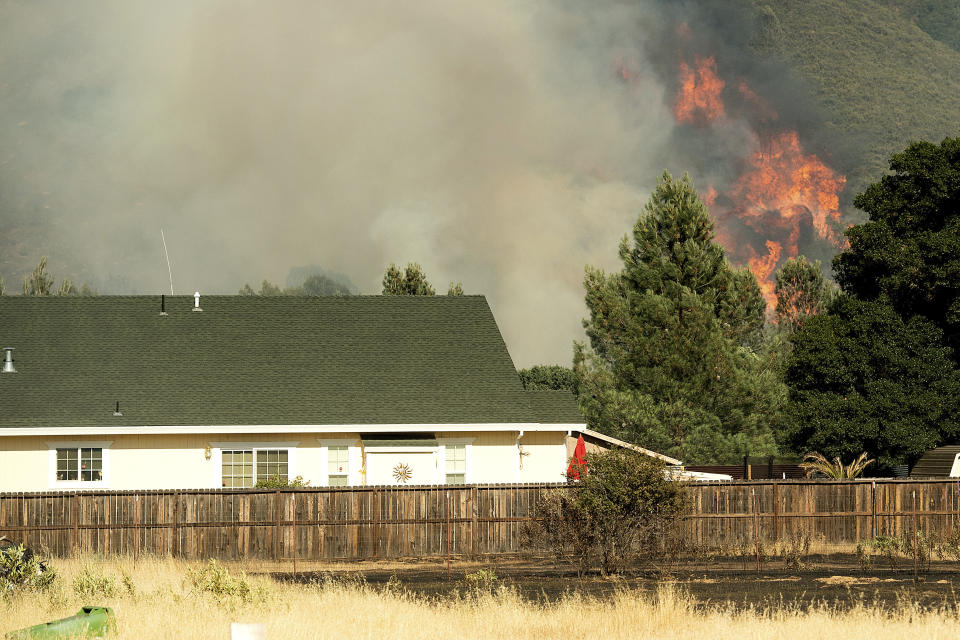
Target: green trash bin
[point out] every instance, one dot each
(90, 622)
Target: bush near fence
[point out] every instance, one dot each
(434, 521)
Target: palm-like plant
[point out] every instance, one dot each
(818, 462)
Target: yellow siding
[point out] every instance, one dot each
(178, 461)
(24, 464)
(546, 459)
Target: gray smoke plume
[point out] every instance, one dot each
(504, 144)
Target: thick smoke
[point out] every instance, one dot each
(497, 143)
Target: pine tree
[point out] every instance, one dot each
(410, 282)
(38, 283)
(670, 364)
(801, 292)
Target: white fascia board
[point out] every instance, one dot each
(282, 428)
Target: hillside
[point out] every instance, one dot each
(884, 72)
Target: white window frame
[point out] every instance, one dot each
(442, 458)
(353, 459)
(217, 449)
(104, 480)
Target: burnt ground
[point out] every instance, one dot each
(835, 581)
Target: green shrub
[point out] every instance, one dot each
(481, 580)
(92, 584)
(228, 590)
(275, 482)
(20, 569)
(625, 509)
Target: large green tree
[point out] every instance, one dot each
(877, 372)
(863, 378)
(909, 251)
(673, 362)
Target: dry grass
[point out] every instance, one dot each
(160, 605)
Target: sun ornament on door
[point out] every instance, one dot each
(402, 473)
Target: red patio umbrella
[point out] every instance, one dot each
(578, 463)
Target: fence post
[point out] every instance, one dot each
(294, 496)
(136, 526)
(276, 527)
(776, 512)
(176, 526)
(473, 522)
(756, 533)
(446, 508)
(873, 509)
(75, 543)
(914, 535)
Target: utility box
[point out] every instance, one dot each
(89, 622)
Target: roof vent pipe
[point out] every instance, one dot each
(196, 301)
(163, 305)
(8, 360)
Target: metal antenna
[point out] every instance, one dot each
(169, 272)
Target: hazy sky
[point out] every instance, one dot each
(494, 142)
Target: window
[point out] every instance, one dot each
(338, 465)
(272, 464)
(456, 463)
(81, 463)
(243, 468)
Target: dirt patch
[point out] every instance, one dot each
(834, 581)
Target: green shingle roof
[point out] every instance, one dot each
(247, 360)
(555, 407)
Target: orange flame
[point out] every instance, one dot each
(709, 196)
(782, 178)
(781, 190)
(698, 98)
(763, 267)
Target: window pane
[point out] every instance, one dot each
(338, 481)
(337, 458)
(456, 458)
(237, 469)
(91, 464)
(456, 478)
(67, 464)
(271, 464)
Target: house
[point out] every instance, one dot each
(137, 392)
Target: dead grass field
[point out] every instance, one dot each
(154, 599)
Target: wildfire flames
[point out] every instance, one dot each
(781, 189)
(698, 98)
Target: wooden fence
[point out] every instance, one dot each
(392, 522)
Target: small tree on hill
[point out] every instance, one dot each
(620, 512)
(410, 282)
(38, 283)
